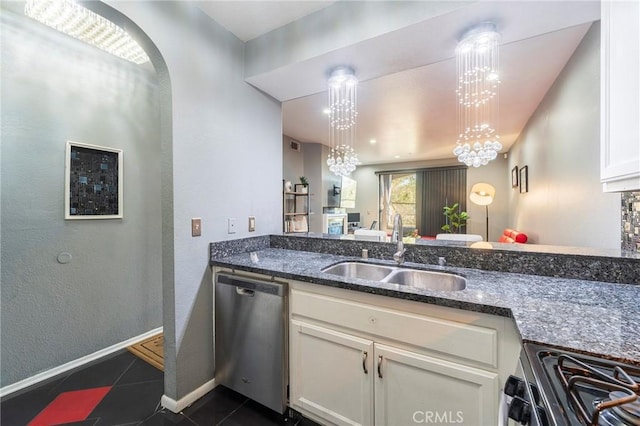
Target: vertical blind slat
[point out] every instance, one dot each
(439, 188)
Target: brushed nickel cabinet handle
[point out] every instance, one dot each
(380, 366)
(364, 362)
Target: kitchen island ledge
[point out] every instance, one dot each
(591, 317)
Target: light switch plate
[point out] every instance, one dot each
(196, 227)
(252, 223)
(231, 228)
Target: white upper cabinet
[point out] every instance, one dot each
(620, 96)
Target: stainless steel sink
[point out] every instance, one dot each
(430, 280)
(427, 279)
(365, 271)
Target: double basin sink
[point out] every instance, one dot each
(430, 280)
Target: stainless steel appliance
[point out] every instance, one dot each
(251, 338)
(562, 388)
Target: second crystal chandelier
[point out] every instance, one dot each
(478, 80)
(342, 159)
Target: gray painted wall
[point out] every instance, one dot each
(312, 164)
(366, 193)
(560, 145)
(292, 169)
(292, 161)
(55, 89)
(227, 163)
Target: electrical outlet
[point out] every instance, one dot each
(231, 228)
(252, 223)
(196, 227)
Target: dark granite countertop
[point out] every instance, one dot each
(591, 317)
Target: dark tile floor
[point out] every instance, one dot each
(134, 399)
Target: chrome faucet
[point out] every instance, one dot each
(396, 237)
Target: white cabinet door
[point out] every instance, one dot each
(415, 389)
(331, 375)
(620, 95)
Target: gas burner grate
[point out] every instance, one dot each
(574, 374)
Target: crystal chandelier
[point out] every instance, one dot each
(477, 92)
(70, 18)
(343, 84)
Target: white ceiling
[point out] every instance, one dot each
(250, 19)
(406, 98)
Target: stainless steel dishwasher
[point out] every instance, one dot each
(251, 338)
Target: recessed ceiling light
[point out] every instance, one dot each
(373, 141)
(397, 156)
(326, 111)
(77, 21)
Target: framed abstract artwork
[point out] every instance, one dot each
(93, 182)
(514, 177)
(524, 179)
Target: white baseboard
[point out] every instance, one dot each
(188, 399)
(47, 374)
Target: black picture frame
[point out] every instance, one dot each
(93, 182)
(524, 179)
(514, 177)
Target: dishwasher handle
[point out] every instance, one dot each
(248, 287)
(245, 292)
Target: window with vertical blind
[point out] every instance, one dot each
(397, 195)
(420, 196)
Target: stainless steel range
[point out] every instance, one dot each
(560, 388)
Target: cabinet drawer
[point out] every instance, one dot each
(465, 341)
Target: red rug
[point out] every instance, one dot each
(70, 407)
